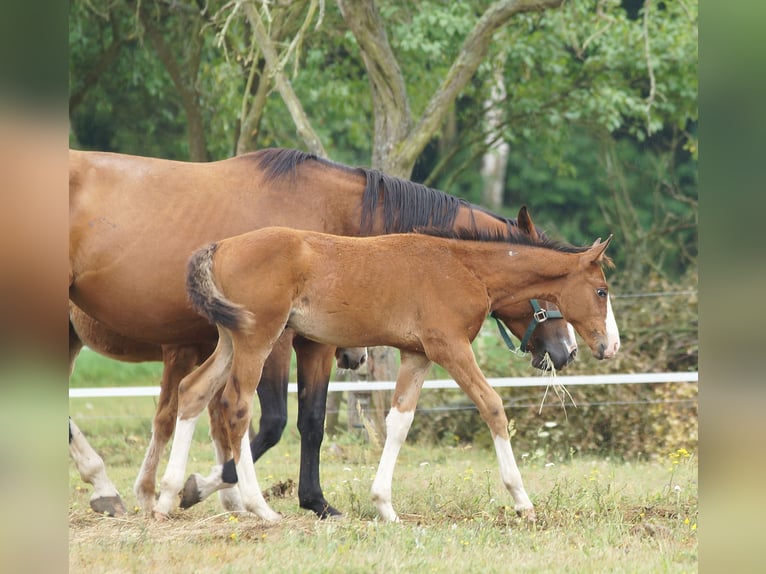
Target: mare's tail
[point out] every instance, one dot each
(205, 296)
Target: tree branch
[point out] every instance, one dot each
(471, 55)
(302, 124)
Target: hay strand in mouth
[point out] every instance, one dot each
(561, 391)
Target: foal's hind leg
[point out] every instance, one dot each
(460, 362)
(409, 382)
(250, 353)
(194, 393)
(105, 498)
(179, 360)
(272, 394)
(314, 367)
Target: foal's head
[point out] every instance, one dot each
(584, 301)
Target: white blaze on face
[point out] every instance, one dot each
(572, 342)
(612, 333)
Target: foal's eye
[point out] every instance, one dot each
(601, 292)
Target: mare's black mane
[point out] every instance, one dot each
(407, 206)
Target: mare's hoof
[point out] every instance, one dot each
(322, 509)
(109, 505)
(190, 494)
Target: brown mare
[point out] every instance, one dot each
(343, 291)
(135, 220)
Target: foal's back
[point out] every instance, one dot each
(384, 290)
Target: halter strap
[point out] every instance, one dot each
(540, 315)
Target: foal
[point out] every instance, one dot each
(428, 296)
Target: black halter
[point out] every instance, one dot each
(540, 315)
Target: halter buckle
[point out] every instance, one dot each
(541, 315)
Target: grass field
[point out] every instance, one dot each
(594, 515)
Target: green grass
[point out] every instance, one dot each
(594, 515)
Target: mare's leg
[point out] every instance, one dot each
(194, 393)
(460, 362)
(409, 381)
(105, 498)
(272, 394)
(314, 367)
(179, 360)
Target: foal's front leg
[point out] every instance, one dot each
(409, 382)
(460, 362)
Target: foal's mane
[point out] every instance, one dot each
(406, 205)
(494, 236)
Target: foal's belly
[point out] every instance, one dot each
(351, 329)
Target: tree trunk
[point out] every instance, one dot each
(494, 163)
(184, 83)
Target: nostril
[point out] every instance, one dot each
(572, 355)
(363, 360)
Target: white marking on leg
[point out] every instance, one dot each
(397, 425)
(612, 332)
(229, 496)
(510, 474)
(248, 485)
(148, 475)
(173, 480)
(90, 465)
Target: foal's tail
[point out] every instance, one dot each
(205, 296)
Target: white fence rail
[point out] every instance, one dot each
(539, 381)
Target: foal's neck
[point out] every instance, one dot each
(520, 272)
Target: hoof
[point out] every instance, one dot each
(190, 494)
(527, 514)
(109, 505)
(159, 516)
(329, 512)
(322, 509)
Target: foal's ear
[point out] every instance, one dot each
(524, 221)
(596, 253)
